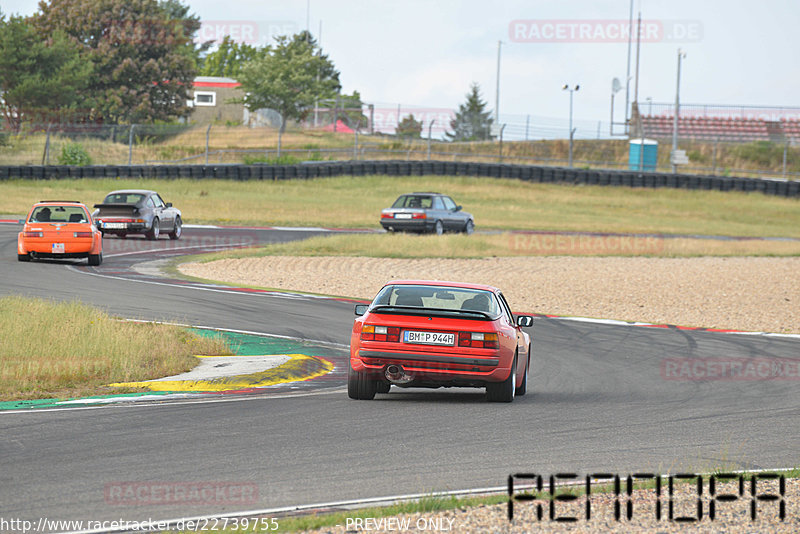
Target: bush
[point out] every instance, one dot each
(74, 154)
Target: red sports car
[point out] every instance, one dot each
(439, 334)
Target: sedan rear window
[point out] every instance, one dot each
(123, 198)
(438, 298)
(413, 201)
(64, 214)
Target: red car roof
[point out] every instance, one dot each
(441, 283)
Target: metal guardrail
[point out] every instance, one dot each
(529, 173)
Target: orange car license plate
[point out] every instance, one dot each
(429, 338)
(58, 248)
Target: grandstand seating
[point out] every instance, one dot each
(716, 128)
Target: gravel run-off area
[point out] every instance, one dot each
(759, 294)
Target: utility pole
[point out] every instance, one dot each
(628, 73)
(681, 55)
(430, 126)
(571, 130)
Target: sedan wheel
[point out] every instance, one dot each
(95, 259)
(153, 233)
(438, 228)
(469, 227)
(176, 233)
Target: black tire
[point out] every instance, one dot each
(503, 391)
(523, 388)
(95, 259)
(469, 227)
(177, 231)
(360, 387)
(383, 387)
(23, 257)
(438, 228)
(153, 233)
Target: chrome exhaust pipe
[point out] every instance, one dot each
(397, 375)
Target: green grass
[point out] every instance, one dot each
(70, 349)
(355, 202)
(504, 245)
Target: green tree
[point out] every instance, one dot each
(142, 52)
(229, 57)
(472, 122)
(40, 81)
(289, 78)
(409, 128)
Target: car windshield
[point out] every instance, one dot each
(123, 198)
(439, 298)
(413, 201)
(64, 214)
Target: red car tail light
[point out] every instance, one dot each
(387, 216)
(82, 234)
(481, 340)
(419, 216)
(380, 333)
(28, 233)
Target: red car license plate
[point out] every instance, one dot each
(429, 338)
(58, 248)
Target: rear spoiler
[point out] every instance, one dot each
(117, 205)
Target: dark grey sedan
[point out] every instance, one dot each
(426, 212)
(137, 211)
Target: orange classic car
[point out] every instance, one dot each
(60, 229)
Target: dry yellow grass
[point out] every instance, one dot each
(69, 349)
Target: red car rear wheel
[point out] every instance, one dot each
(359, 386)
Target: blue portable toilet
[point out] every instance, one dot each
(647, 160)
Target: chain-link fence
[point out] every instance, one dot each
(136, 144)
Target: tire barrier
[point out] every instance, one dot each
(527, 173)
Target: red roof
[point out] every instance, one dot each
(340, 127)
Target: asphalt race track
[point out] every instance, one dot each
(598, 402)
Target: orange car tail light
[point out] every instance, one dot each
(480, 340)
(380, 333)
(28, 233)
(387, 215)
(82, 234)
(419, 216)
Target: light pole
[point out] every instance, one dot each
(497, 88)
(681, 54)
(571, 131)
(430, 127)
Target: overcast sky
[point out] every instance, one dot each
(426, 53)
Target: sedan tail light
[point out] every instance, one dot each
(82, 234)
(380, 333)
(419, 216)
(28, 233)
(387, 215)
(481, 340)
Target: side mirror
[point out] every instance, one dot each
(169, 204)
(21, 221)
(458, 208)
(361, 309)
(524, 321)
